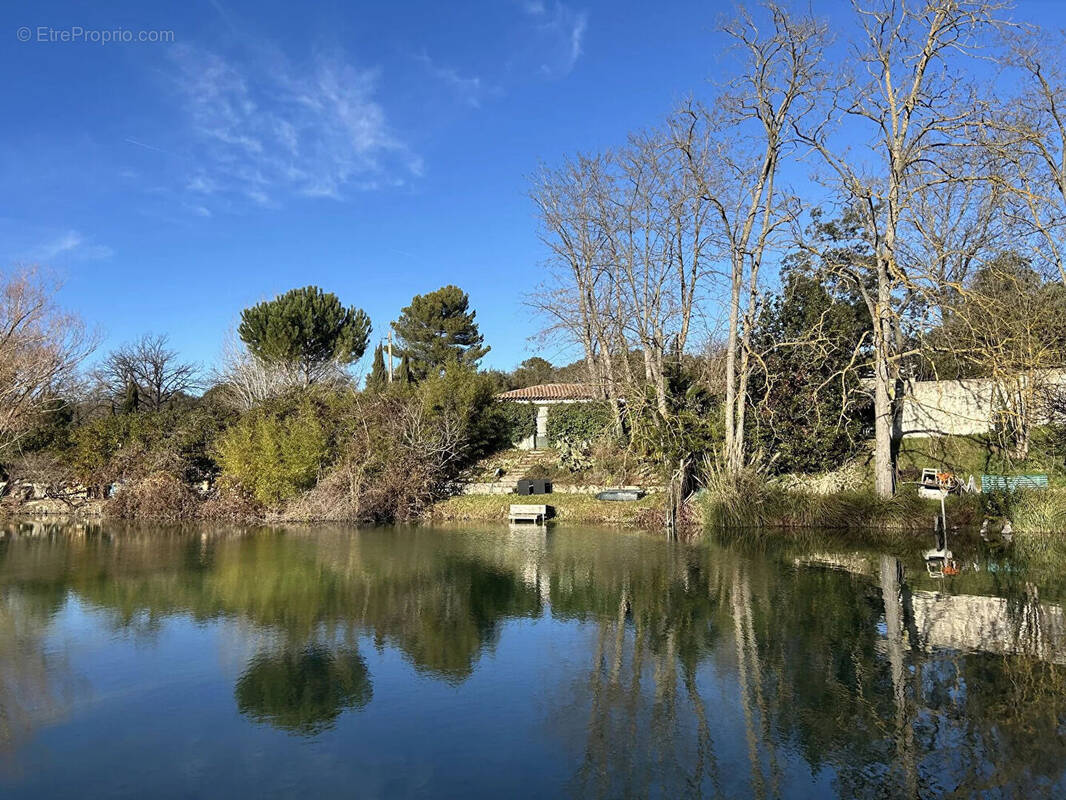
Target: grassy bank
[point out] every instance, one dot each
(1040, 512)
(977, 455)
(569, 508)
(773, 507)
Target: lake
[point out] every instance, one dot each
(488, 662)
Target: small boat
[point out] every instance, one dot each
(620, 494)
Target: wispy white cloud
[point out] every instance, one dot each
(153, 148)
(577, 34)
(470, 90)
(264, 128)
(69, 245)
(562, 30)
(198, 210)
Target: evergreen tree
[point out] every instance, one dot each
(534, 371)
(132, 401)
(378, 377)
(306, 330)
(810, 410)
(438, 328)
(405, 375)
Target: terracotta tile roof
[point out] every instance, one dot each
(552, 391)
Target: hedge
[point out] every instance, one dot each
(518, 419)
(579, 422)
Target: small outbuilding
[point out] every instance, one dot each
(539, 398)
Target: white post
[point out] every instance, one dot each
(944, 521)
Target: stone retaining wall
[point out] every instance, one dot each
(508, 487)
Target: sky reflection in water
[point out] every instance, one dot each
(460, 662)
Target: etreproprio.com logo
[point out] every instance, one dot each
(76, 34)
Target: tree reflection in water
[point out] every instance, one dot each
(303, 691)
(706, 670)
(799, 671)
(35, 685)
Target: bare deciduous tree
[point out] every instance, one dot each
(242, 380)
(930, 173)
(744, 136)
(656, 225)
(627, 231)
(41, 347)
(1007, 330)
(1030, 137)
(909, 107)
(151, 367)
(578, 301)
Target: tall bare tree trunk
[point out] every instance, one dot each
(884, 414)
(734, 453)
(908, 94)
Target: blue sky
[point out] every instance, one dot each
(376, 149)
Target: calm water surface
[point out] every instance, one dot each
(481, 662)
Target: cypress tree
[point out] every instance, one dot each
(377, 378)
(405, 374)
(132, 401)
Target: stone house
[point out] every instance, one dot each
(539, 398)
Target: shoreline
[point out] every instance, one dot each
(857, 510)
(647, 512)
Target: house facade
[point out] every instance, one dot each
(539, 399)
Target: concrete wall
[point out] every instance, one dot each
(958, 408)
(961, 408)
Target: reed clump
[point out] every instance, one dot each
(749, 501)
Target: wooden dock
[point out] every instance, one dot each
(535, 514)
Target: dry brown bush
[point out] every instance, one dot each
(230, 503)
(159, 496)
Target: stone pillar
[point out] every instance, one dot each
(542, 428)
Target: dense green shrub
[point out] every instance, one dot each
(178, 439)
(401, 449)
(52, 431)
(579, 422)
(276, 454)
(462, 396)
(95, 444)
(517, 420)
(1000, 502)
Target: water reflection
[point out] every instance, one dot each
(304, 691)
(704, 670)
(35, 685)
